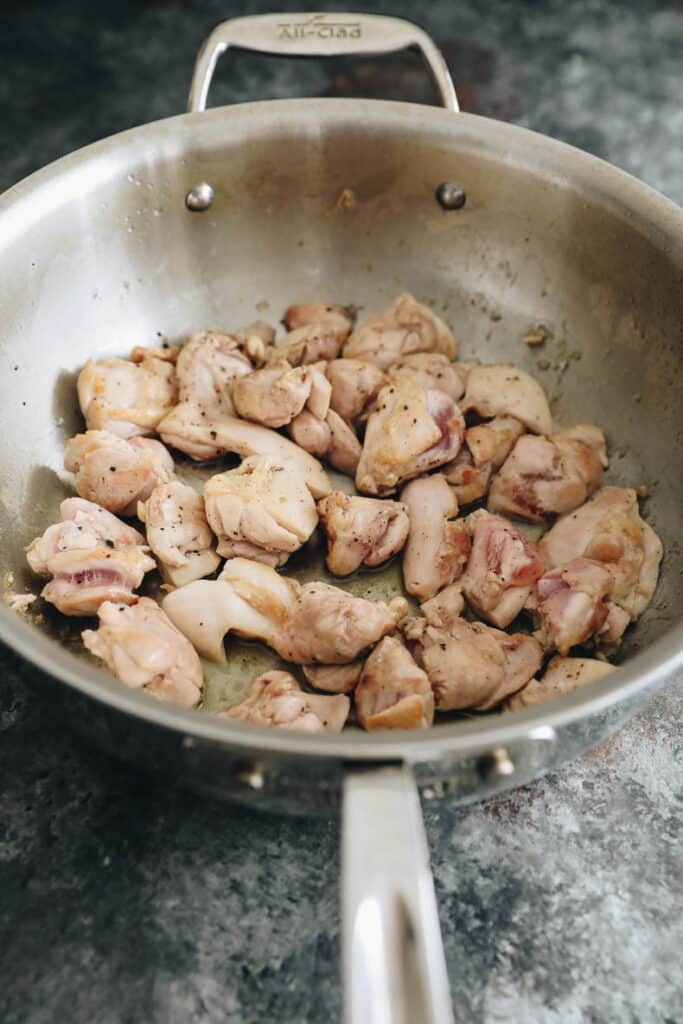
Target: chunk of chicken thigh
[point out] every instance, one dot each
(178, 533)
(445, 607)
(329, 626)
(429, 370)
(334, 678)
(406, 327)
(115, 473)
(92, 556)
(143, 649)
(361, 531)
(410, 432)
(393, 691)
(276, 699)
(485, 448)
(276, 394)
(208, 363)
(501, 570)
(438, 547)
(608, 529)
(205, 438)
(570, 604)
(563, 675)
(306, 313)
(547, 476)
(330, 438)
(261, 510)
(471, 665)
(127, 398)
(355, 385)
(311, 343)
(248, 598)
(499, 389)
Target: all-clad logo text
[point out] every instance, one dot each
(318, 28)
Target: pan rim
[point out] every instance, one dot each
(32, 197)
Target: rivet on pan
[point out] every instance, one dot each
(199, 198)
(450, 196)
(496, 764)
(252, 775)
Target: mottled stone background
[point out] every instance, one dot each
(122, 901)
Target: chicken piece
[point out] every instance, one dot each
(248, 598)
(445, 607)
(608, 637)
(208, 364)
(502, 568)
(334, 678)
(438, 547)
(310, 344)
(499, 389)
(429, 370)
(393, 692)
(256, 341)
(276, 394)
(178, 533)
(125, 397)
(410, 432)
(205, 438)
(115, 473)
(485, 448)
(547, 476)
(328, 313)
(330, 438)
(261, 510)
(329, 626)
(570, 604)
(169, 354)
(361, 531)
(608, 529)
(92, 556)
(355, 385)
(470, 665)
(276, 698)
(143, 649)
(563, 675)
(406, 327)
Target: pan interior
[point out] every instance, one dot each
(335, 201)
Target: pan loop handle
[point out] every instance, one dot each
(317, 35)
(394, 965)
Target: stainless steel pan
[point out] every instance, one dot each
(212, 217)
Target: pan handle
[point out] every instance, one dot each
(317, 35)
(394, 965)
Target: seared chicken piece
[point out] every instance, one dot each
(262, 510)
(143, 649)
(485, 448)
(276, 394)
(608, 529)
(502, 568)
(307, 313)
(499, 389)
(406, 327)
(178, 533)
(92, 557)
(208, 364)
(310, 344)
(438, 547)
(204, 438)
(393, 692)
(429, 370)
(248, 598)
(329, 626)
(277, 699)
(330, 438)
(127, 398)
(470, 665)
(547, 476)
(608, 637)
(410, 432)
(570, 604)
(334, 678)
(355, 385)
(116, 473)
(563, 675)
(445, 607)
(361, 531)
